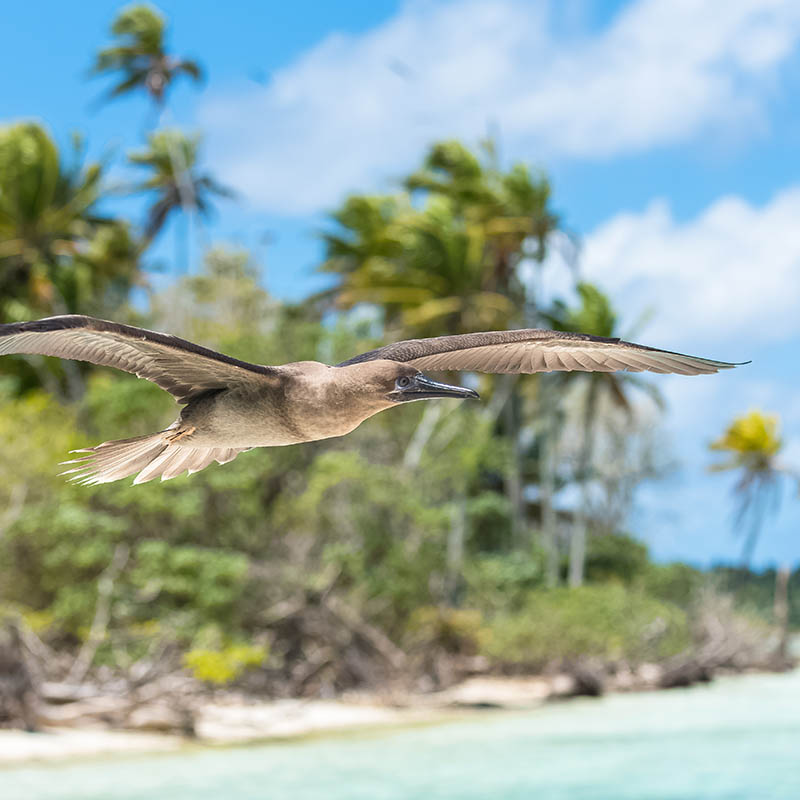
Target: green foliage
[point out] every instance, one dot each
(489, 516)
(373, 527)
(606, 621)
(674, 583)
(225, 665)
(502, 582)
(615, 556)
(594, 315)
(208, 581)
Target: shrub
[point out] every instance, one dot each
(455, 630)
(224, 665)
(606, 621)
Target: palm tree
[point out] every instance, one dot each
(55, 248)
(594, 315)
(174, 180)
(447, 265)
(139, 59)
(443, 258)
(753, 445)
(511, 207)
(436, 283)
(510, 211)
(58, 254)
(141, 62)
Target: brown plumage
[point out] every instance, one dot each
(231, 406)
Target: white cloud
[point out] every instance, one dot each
(356, 110)
(732, 273)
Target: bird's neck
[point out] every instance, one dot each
(324, 401)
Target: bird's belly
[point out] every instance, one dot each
(240, 421)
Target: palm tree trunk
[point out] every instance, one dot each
(548, 520)
(456, 538)
(751, 539)
(185, 189)
(577, 545)
(422, 434)
(782, 614)
(514, 483)
(76, 385)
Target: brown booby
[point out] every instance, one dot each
(231, 406)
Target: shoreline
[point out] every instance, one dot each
(237, 720)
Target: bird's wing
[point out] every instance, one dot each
(534, 350)
(182, 368)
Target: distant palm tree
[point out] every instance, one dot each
(140, 59)
(141, 62)
(753, 444)
(595, 316)
(174, 181)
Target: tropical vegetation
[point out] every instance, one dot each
(429, 543)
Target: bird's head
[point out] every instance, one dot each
(401, 383)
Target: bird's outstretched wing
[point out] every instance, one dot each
(534, 350)
(182, 368)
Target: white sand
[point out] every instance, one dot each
(55, 744)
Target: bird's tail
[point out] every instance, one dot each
(151, 456)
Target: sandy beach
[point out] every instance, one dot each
(236, 719)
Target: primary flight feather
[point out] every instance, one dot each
(231, 406)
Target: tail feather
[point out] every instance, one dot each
(200, 459)
(157, 465)
(177, 462)
(150, 456)
(111, 461)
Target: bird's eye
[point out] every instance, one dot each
(404, 382)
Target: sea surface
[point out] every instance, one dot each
(737, 739)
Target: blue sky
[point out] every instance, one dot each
(670, 130)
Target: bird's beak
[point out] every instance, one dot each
(423, 388)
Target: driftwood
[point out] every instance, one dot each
(105, 588)
(378, 640)
(18, 698)
(722, 640)
(164, 705)
(589, 678)
(781, 659)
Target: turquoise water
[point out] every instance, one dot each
(736, 739)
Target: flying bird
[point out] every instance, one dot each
(230, 406)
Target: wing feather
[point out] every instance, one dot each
(536, 350)
(180, 367)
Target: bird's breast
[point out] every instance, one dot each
(265, 417)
